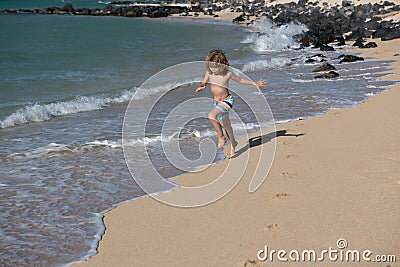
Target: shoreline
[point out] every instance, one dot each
(116, 248)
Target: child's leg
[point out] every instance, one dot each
(229, 131)
(213, 117)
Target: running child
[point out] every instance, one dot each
(218, 75)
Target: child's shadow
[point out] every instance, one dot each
(259, 140)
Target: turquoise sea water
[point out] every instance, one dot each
(65, 84)
(29, 4)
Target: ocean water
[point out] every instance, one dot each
(28, 4)
(65, 85)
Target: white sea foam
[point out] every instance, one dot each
(270, 37)
(44, 112)
(266, 64)
(107, 143)
(302, 80)
(348, 78)
(369, 94)
(364, 69)
(147, 90)
(56, 149)
(40, 151)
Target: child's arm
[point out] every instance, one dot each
(203, 84)
(241, 80)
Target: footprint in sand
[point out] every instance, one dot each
(286, 143)
(394, 158)
(271, 227)
(250, 263)
(292, 156)
(280, 195)
(392, 179)
(288, 174)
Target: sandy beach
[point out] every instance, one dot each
(335, 176)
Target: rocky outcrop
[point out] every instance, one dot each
(324, 67)
(329, 75)
(330, 24)
(324, 47)
(350, 58)
(67, 8)
(109, 10)
(369, 45)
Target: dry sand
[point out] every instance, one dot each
(334, 176)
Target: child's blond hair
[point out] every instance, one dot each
(218, 57)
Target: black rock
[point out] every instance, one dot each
(308, 39)
(340, 39)
(370, 45)
(133, 14)
(387, 3)
(302, 2)
(82, 11)
(351, 58)
(238, 19)
(108, 8)
(346, 3)
(359, 42)
(316, 57)
(328, 75)
(392, 34)
(319, 55)
(373, 24)
(324, 67)
(326, 48)
(67, 8)
(358, 13)
(51, 10)
(359, 32)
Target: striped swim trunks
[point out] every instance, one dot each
(224, 105)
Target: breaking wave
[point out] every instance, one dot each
(44, 112)
(268, 36)
(266, 64)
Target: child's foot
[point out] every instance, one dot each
(234, 144)
(221, 142)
